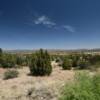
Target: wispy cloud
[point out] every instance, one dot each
(69, 28)
(44, 20)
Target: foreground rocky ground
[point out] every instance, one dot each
(27, 87)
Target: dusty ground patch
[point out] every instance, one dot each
(34, 88)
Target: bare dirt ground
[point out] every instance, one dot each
(27, 87)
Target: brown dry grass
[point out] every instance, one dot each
(42, 88)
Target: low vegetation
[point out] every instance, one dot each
(85, 87)
(67, 64)
(40, 64)
(78, 61)
(9, 74)
(42, 58)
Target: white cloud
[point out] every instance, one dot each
(44, 20)
(69, 28)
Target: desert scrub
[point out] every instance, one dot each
(9, 74)
(40, 64)
(83, 64)
(85, 87)
(8, 61)
(67, 64)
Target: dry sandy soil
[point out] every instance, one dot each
(27, 87)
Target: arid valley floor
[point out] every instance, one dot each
(27, 87)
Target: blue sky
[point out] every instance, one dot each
(50, 24)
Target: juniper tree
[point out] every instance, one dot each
(40, 63)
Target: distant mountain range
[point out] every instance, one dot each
(53, 50)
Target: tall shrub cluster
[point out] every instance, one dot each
(67, 64)
(79, 61)
(8, 61)
(83, 64)
(40, 63)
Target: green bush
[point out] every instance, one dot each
(85, 87)
(19, 60)
(74, 63)
(75, 60)
(8, 61)
(8, 64)
(9, 74)
(1, 51)
(67, 64)
(82, 64)
(94, 59)
(40, 64)
(58, 60)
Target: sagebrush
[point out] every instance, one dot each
(9, 74)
